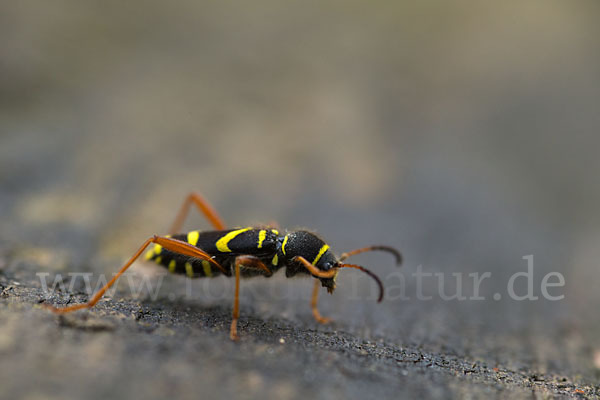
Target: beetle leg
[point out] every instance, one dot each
(313, 304)
(236, 304)
(209, 212)
(314, 270)
(247, 262)
(173, 245)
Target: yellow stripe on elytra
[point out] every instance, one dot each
(158, 259)
(285, 239)
(275, 260)
(224, 241)
(157, 249)
(189, 270)
(321, 252)
(192, 237)
(207, 270)
(172, 265)
(261, 237)
(275, 231)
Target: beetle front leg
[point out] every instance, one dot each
(313, 304)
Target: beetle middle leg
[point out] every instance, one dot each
(246, 262)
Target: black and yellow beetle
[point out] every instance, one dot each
(243, 252)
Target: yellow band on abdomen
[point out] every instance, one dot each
(172, 266)
(189, 270)
(206, 267)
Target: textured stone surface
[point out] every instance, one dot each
(464, 135)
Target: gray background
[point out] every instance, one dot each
(463, 133)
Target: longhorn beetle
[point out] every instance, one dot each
(243, 252)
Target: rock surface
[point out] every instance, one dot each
(464, 135)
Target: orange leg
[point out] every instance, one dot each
(313, 304)
(253, 262)
(314, 270)
(331, 273)
(236, 304)
(248, 262)
(315, 296)
(209, 212)
(173, 245)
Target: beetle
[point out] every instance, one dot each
(241, 252)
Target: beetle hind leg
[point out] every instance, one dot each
(174, 245)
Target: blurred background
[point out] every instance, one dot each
(463, 133)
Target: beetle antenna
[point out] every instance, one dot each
(387, 249)
(371, 274)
